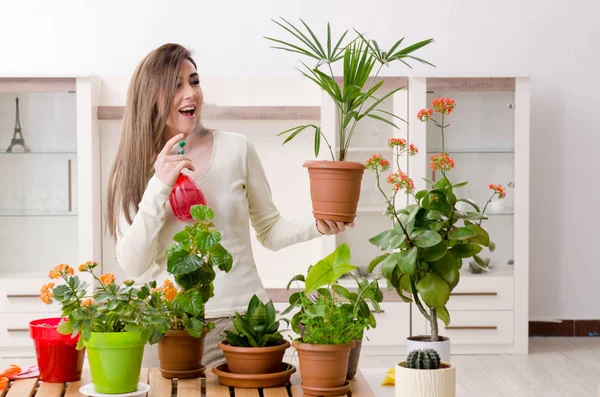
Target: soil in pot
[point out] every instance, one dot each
(180, 355)
(253, 360)
(115, 361)
(58, 359)
(323, 366)
(335, 189)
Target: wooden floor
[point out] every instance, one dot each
(555, 367)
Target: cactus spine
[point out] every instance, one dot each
(423, 359)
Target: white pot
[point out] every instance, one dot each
(496, 205)
(425, 382)
(422, 342)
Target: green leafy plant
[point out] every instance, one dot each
(191, 259)
(258, 327)
(112, 308)
(324, 318)
(430, 238)
(358, 95)
(423, 359)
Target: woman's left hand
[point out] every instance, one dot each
(332, 227)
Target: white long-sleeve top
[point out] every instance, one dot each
(238, 192)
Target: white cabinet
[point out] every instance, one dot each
(488, 138)
(50, 201)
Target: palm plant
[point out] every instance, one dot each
(360, 57)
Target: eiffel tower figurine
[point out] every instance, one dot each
(17, 138)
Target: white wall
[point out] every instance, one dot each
(552, 41)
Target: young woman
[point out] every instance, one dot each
(164, 105)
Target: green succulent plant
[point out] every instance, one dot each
(423, 359)
(257, 328)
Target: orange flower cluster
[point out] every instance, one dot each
(400, 181)
(107, 279)
(87, 266)
(168, 290)
(401, 143)
(424, 114)
(86, 302)
(61, 270)
(412, 150)
(46, 293)
(443, 105)
(441, 162)
(499, 189)
(377, 162)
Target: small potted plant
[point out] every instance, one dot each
(368, 295)
(191, 260)
(328, 326)
(424, 375)
(428, 239)
(114, 325)
(335, 185)
(255, 346)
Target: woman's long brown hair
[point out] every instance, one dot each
(147, 108)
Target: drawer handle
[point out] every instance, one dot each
(17, 330)
(474, 294)
(9, 296)
(491, 327)
(380, 311)
(13, 357)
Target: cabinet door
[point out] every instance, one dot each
(39, 174)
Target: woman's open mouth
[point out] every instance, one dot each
(188, 111)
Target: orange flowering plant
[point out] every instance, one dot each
(111, 308)
(430, 238)
(191, 259)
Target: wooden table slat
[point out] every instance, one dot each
(274, 392)
(50, 390)
(213, 387)
(246, 392)
(159, 386)
(189, 387)
(296, 382)
(23, 388)
(360, 386)
(73, 387)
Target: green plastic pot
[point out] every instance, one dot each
(115, 361)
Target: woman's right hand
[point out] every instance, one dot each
(168, 166)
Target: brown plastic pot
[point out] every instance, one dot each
(253, 360)
(335, 188)
(180, 355)
(353, 359)
(323, 366)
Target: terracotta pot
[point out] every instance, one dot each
(323, 366)
(335, 188)
(353, 359)
(253, 360)
(180, 355)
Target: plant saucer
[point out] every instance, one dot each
(88, 390)
(326, 391)
(254, 381)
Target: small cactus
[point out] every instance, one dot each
(423, 359)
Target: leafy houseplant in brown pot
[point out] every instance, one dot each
(191, 259)
(430, 238)
(329, 325)
(335, 185)
(368, 292)
(255, 346)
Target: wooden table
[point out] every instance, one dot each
(162, 387)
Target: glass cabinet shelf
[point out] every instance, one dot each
(473, 151)
(41, 152)
(34, 214)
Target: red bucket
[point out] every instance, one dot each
(58, 359)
